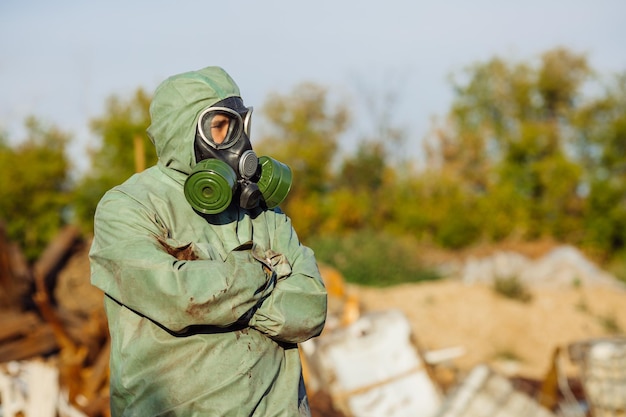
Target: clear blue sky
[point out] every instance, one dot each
(60, 60)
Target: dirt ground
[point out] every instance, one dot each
(515, 337)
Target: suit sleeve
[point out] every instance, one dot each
(296, 309)
(130, 265)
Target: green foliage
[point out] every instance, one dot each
(34, 197)
(304, 132)
(365, 170)
(532, 156)
(372, 258)
(600, 141)
(605, 222)
(362, 192)
(503, 212)
(617, 266)
(435, 208)
(582, 306)
(508, 354)
(511, 287)
(609, 324)
(122, 132)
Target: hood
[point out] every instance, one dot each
(174, 111)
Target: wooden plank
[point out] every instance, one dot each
(55, 253)
(40, 341)
(13, 324)
(15, 274)
(96, 376)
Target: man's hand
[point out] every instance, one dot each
(279, 262)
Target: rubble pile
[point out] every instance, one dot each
(54, 346)
(562, 266)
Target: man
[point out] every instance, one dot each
(208, 291)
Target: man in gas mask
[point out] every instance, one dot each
(208, 289)
(227, 165)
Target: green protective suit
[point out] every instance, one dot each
(205, 312)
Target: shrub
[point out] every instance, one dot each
(511, 287)
(374, 259)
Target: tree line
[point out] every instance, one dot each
(528, 150)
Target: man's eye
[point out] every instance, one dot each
(219, 125)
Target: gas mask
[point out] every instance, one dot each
(227, 167)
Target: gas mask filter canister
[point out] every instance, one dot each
(227, 166)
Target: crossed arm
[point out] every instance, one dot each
(278, 289)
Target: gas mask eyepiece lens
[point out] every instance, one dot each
(221, 127)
